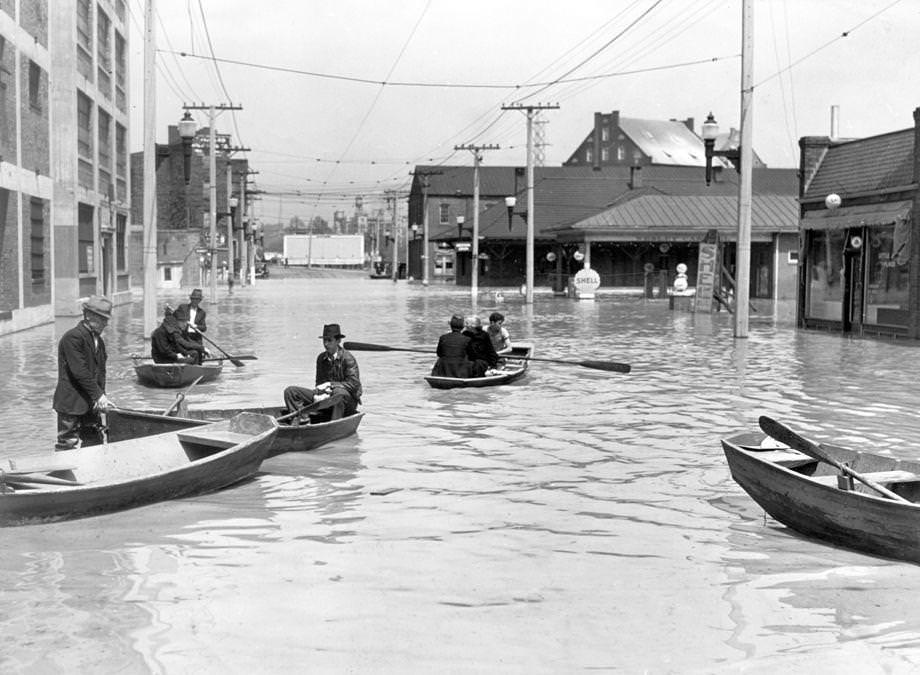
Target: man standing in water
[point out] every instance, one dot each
(80, 394)
(338, 382)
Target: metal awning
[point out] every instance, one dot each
(858, 216)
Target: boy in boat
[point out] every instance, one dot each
(501, 338)
(80, 394)
(338, 381)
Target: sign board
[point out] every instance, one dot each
(708, 272)
(586, 281)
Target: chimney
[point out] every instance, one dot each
(835, 122)
(596, 137)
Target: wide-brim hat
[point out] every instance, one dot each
(99, 304)
(181, 313)
(332, 330)
(196, 293)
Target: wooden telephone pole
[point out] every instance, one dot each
(477, 158)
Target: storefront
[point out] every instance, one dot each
(855, 268)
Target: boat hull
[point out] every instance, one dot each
(515, 368)
(807, 499)
(124, 475)
(125, 424)
(175, 375)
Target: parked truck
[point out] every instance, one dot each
(324, 250)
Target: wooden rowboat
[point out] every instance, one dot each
(103, 478)
(174, 375)
(124, 424)
(514, 368)
(803, 494)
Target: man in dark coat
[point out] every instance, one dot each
(196, 318)
(452, 359)
(80, 394)
(168, 342)
(338, 382)
(480, 350)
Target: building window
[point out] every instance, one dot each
(444, 214)
(121, 227)
(605, 154)
(887, 251)
(121, 72)
(85, 25)
(167, 274)
(605, 134)
(621, 153)
(35, 86)
(105, 151)
(37, 241)
(86, 263)
(104, 52)
(589, 155)
(825, 274)
(84, 126)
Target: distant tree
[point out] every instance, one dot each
(320, 225)
(296, 226)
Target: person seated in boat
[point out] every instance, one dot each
(168, 343)
(501, 338)
(479, 350)
(452, 359)
(338, 381)
(196, 318)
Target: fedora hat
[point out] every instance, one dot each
(196, 293)
(332, 330)
(99, 304)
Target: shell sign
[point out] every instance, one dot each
(586, 281)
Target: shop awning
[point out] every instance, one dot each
(857, 216)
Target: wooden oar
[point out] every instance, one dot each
(236, 362)
(784, 434)
(237, 357)
(35, 478)
(181, 397)
(611, 366)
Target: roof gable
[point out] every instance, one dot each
(865, 165)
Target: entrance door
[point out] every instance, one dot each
(853, 280)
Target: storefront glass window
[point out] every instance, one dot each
(887, 257)
(825, 274)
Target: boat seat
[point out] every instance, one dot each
(213, 437)
(883, 478)
(785, 458)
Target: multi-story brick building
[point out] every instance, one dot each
(89, 112)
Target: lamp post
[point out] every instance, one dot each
(744, 163)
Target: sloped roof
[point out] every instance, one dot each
(685, 214)
(665, 141)
(864, 165)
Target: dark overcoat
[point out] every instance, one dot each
(81, 371)
(452, 359)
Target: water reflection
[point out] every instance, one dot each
(480, 528)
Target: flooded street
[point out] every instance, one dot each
(576, 520)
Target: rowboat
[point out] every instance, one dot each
(514, 368)
(114, 476)
(813, 498)
(174, 375)
(124, 424)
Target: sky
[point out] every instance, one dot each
(343, 98)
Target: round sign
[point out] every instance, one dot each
(681, 268)
(856, 242)
(833, 200)
(648, 267)
(587, 281)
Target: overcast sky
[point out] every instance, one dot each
(319, 120)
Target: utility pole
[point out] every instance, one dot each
(394, 196)
(743, 248)
(150, 175)
(530, 110)
(426, 183)
(212, 183)
(477, 158)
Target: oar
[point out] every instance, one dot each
(784, 434)
(236, 357)
(299, 411)
(611, 366)
(35, 478)
(236, 362)
(181, 396)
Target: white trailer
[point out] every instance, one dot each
(324, 250)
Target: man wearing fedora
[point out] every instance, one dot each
(338, 382)
(196, 319)
(80, 394)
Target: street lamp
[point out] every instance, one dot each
(510, 203)
(460, 221)
(187, 129)
(710, 132)
(414, 229)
